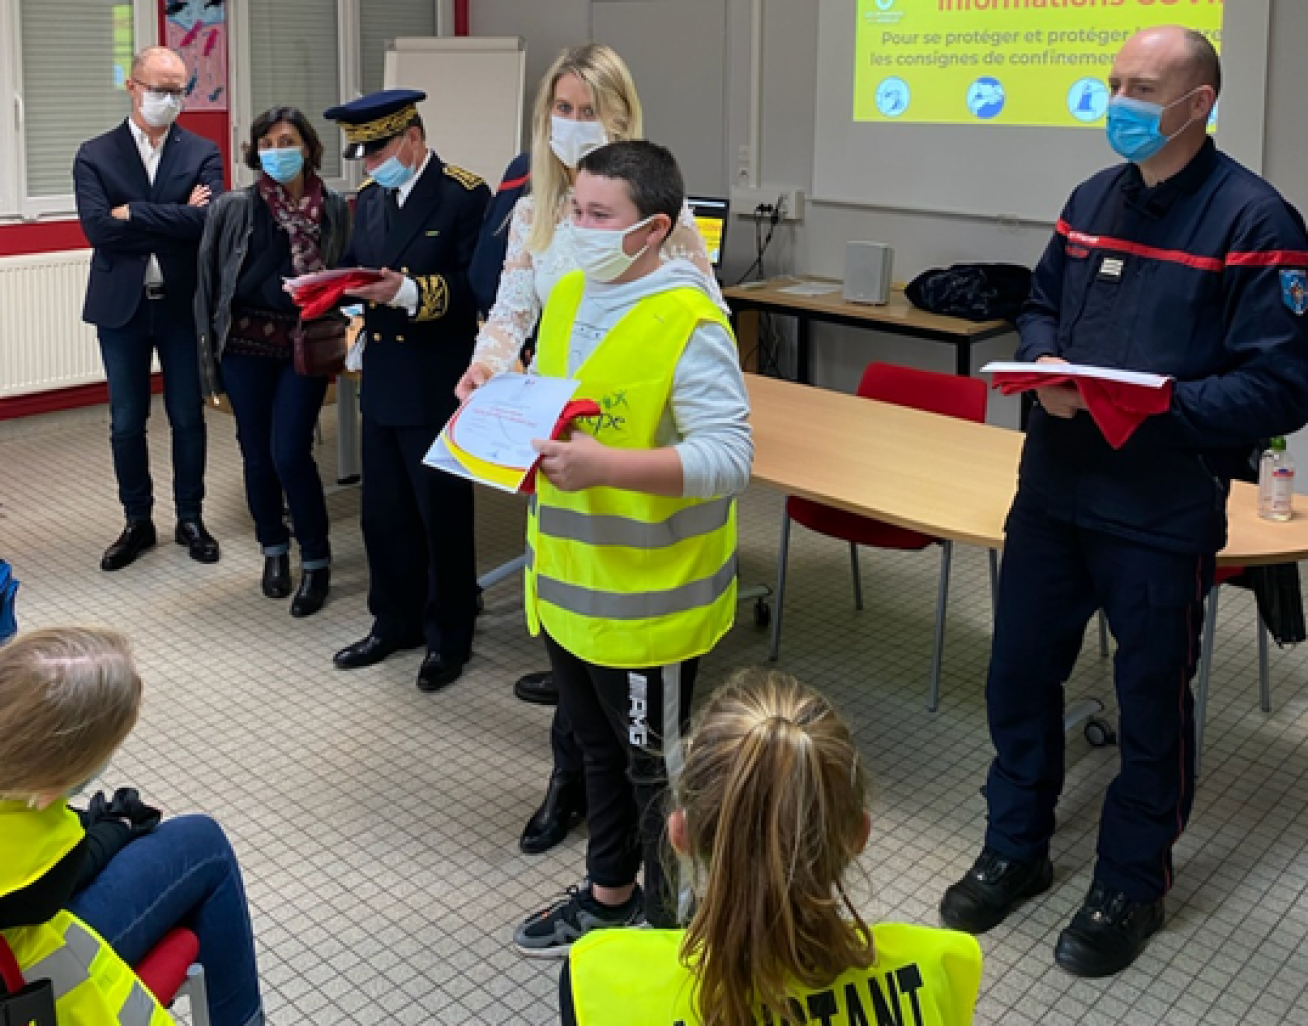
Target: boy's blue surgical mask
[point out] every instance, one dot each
(1134, 130)
(282, 165)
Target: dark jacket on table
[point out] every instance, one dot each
(411, 364)
(107, 173)
(1191, 278)
(223, 252)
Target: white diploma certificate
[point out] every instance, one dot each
(489, 439)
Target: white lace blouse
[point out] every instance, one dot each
(528, 278)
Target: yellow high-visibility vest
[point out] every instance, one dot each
(92, 985)
(923, 976)
(622, 578)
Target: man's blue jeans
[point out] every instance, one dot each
(127, 352)
(182, 874)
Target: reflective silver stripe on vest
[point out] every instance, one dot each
(138, 1009)
(604, 529)
(639, 606)
(69, 966)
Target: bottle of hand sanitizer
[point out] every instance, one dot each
(1276, 482)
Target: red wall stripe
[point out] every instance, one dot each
(62, 399)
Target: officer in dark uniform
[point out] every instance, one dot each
(1179, 262)
(417, 220)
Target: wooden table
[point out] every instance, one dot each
(897, 317)
(951, 478)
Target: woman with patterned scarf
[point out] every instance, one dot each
(287, 224)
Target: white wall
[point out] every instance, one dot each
(681, 111)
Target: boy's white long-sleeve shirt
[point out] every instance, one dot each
(707, 421)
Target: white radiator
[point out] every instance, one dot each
(43, 342)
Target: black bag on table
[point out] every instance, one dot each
(977, 292)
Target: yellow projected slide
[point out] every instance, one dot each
(1001, 62)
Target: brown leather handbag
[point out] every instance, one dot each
(320, 346)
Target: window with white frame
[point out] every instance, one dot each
(295, 60)
(63, 71)
(313, 54)
(64, 64)
(383, 20)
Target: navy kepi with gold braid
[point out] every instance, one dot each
(371, 120)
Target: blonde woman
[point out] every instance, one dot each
(68, 900)
(587, 98)
(771, 812)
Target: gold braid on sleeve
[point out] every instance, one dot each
(433, 297)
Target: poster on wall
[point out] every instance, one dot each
(197, 29)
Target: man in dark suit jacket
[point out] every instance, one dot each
(417, 220)
(142, 192)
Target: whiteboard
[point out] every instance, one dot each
(474, 87)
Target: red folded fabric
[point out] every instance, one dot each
(1118, 407)
(319, 298)
(577, 409)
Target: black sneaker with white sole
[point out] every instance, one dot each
(551, 932)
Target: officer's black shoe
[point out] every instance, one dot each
(202, 546)
(1107, 934)
(992, 888)
(564, 806)
(537, 688)
(312, 592)
(439, 671)
(277, 576)
(370, 650)
(137, 536)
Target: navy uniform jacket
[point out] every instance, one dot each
(411, 365)
(1204, 292)
(107, 173)
(493, 243)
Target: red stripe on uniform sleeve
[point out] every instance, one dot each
(1272, 258)
(513, 183)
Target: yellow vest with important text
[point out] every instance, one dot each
(923, 976)
(621, 578)
(92, 985)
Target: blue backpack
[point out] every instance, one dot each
(8, 594)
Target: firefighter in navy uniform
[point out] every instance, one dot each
(1179, 262)
(417, 220)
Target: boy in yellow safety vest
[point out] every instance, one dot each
(632, 535)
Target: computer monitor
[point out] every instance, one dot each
(711, 218)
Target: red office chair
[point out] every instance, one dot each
(945, 394)
(170, 971)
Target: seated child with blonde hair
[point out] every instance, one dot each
(77, 908)
(771, 812)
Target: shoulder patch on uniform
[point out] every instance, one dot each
(464, 177)
(1294, 291)
(365, 183)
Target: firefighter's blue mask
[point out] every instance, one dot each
(1133, 126)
